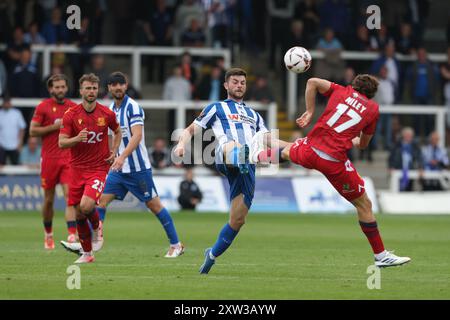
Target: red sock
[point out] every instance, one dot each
(370, 229)
(94, 219)
(48, 227)
(84, 233)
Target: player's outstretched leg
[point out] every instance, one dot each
(383, 258)
(176, 248)
(238, 212)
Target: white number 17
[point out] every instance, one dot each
(355, 118)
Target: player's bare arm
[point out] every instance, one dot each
(313, 86)
(136, 138)
(37, 130)
(115, 145)
(64, 141)
(185, 137)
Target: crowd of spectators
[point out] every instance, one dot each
(327, 25)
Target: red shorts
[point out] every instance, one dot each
(89, 184)
(54, 171)
(342, 175)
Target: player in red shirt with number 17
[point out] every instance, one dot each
(349, 119)
(85, 131)
(54, 161)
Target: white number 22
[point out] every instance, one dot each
(355, 118)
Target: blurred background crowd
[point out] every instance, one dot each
(257, 33)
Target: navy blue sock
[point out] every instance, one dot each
(101, 213)
(167, 222)
(226, 237)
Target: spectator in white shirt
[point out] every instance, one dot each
(176, 87)
(12, 130)
(385, 96)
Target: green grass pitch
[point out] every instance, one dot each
(275, 256)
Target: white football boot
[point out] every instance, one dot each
(74, 247)
(391, 260)
(86, 257)
(175, 251)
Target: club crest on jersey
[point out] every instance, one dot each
(346, 188)
(54, 109)
(101, 122)
(80, 121)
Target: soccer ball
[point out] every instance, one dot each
(297, 59)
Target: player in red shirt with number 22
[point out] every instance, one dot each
(85, 131)
(349, 119)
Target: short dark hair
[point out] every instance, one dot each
(117, 77)
(89, 77)
(366, 84)
(56, 77)
(235, 72)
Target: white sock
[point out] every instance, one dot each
(381, 255)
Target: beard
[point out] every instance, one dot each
(236, 95)
(59, 97)
(118, 95)
(90, 99)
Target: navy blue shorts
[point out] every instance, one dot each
(239, 183)
(138, 183)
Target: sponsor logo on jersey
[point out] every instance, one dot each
(234, 117)
(101, 122)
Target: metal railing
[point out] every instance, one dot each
(180, 108)
(443, 177)
(136, 53)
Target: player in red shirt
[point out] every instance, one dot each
(349, 119)
(84, 130)
(54, 161)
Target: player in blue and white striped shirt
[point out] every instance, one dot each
(131, 170)
(235, 126)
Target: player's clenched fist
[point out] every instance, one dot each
(82, 135)
(179, 150)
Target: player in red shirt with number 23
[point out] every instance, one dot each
(85, 131)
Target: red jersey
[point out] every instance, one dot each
(45, 114)
(90, 155)
(347, 113)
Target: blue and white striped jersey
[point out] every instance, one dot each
(129, 114)
(230, 121)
